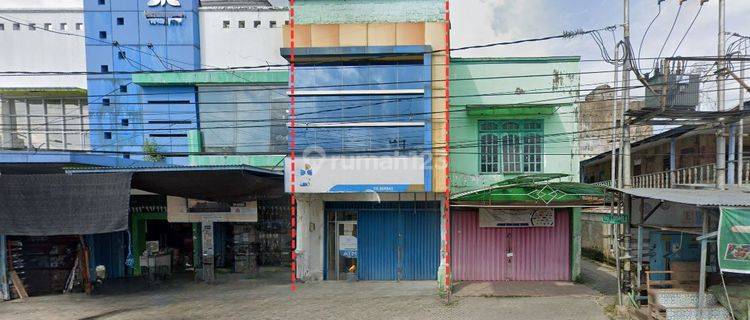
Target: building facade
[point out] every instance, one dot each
(595, 122)
(187, 46)
(515, 212)
(44, 111)
(369, 115)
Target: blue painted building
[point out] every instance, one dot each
(369, 128)
(133, 36)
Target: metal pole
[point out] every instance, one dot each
(613, 145)
(639, 269)
(741, 127)
(625, 100)
(616, 243)
(720, 140)
(704, 253)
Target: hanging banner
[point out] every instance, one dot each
(499, 218)
(734, 240)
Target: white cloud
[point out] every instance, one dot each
(39, 4)
(486, 21)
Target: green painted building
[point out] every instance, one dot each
(242, 115)
(515, 212)
(512, 116)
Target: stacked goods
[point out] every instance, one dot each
(43, 264)
(245, 248)
(273, 232)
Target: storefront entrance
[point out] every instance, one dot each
(382, 241)
(342, 239)
(509, 250)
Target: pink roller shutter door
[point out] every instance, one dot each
(480, 254)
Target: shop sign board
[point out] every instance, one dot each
(734, 240)
(513, 218)
(358, 174)
(615, 219)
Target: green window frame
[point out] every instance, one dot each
(511, 146)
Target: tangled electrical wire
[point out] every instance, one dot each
(596, 35)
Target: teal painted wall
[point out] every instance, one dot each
(378, 11)
(503, 82)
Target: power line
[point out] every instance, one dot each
(688, 30)
(679, 9)
(646, 33)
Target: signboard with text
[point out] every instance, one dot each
(357, 174)
(508, 218)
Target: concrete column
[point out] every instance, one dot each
(310, 237)
(197, 248)
(442, 268)
(732, 147)
(575, 243)
(207, 241)
(672, 161)
(704, 258)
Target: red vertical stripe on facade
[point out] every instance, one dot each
(480, 254)
(447, 215)
(292, 146)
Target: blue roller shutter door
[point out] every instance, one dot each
(377, 245)
(399, 243)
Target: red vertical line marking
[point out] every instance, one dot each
(447, 151)
(292, 147)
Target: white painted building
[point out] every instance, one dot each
(43, 111)
(241, 33)
(26, 46)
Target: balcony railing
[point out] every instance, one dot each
(701, 174)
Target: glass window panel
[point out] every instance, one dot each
(357, 108)
(54, 116)
(522, 144)
(355, 77)
(488, 153)
(56, 141)
(74, 141)
(410, 76)
(411, 139)
(356, 139)
(19, 110)
(382, 77)
(511, 153)
(328, 75)
(85, 119)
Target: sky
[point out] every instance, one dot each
(487, 21)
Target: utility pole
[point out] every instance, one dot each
(613, 172)
(720, 170)
(625, 156)
(741, 129)
(625, 148)
(613, 179)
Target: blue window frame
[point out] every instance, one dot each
(511, 146)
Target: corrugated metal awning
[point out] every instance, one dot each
(699, 197)
(212, 183)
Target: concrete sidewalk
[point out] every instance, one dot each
(599, 276)
(270, 298)
(522, 289)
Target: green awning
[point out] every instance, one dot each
(511, 109)
(61, 92)
(211, 77)
(533, 190)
